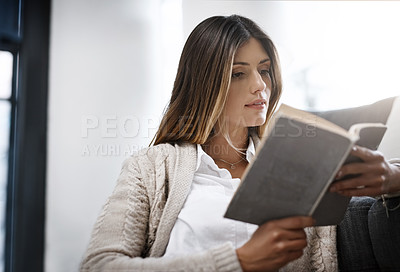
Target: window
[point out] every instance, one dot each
(24, 38)
(335, 56)
(6, 68)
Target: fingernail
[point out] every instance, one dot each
(339, 174)
(354, 148)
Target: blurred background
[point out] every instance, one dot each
(111, 69)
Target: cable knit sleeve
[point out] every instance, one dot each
(320, 253)
(121, 234)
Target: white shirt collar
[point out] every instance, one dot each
(250, 152)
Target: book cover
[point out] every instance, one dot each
(293, 169)
(330, 210)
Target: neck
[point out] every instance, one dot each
(219, 148)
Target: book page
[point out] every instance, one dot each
(309, 119)
(356, 128)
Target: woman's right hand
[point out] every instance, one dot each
(275, 244)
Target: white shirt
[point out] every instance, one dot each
(200, 224)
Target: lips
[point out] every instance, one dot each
(257, 104)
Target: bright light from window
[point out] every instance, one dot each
(6, 65)
(339, 54)
(6, 61)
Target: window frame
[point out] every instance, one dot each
(26, 184)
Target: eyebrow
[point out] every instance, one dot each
(245, 63)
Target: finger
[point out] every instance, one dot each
(360, 168)
(367, 191)
(359, 182)
(286, 246)
(366, 154)
(295, 222)
(284, 234)
(294, 245)
(297, 234)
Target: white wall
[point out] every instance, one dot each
(390, 145)
(334, 54)
(340, 54)
(107, 91)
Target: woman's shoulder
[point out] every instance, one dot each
(160, 153)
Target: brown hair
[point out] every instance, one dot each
(204, 73)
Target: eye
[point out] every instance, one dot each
(265, 72)
(237, 75)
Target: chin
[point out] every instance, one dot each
(258, 122)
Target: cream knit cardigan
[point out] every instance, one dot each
(133, 229)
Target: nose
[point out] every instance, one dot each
(257, 84)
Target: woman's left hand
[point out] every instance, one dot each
(374, 176)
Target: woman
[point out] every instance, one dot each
(166, 210)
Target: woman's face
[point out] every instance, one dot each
(250, 87)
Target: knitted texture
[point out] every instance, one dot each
(320, 253)
(133, 229)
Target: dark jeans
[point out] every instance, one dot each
(367, 240)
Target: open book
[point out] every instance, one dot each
(294, 166)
